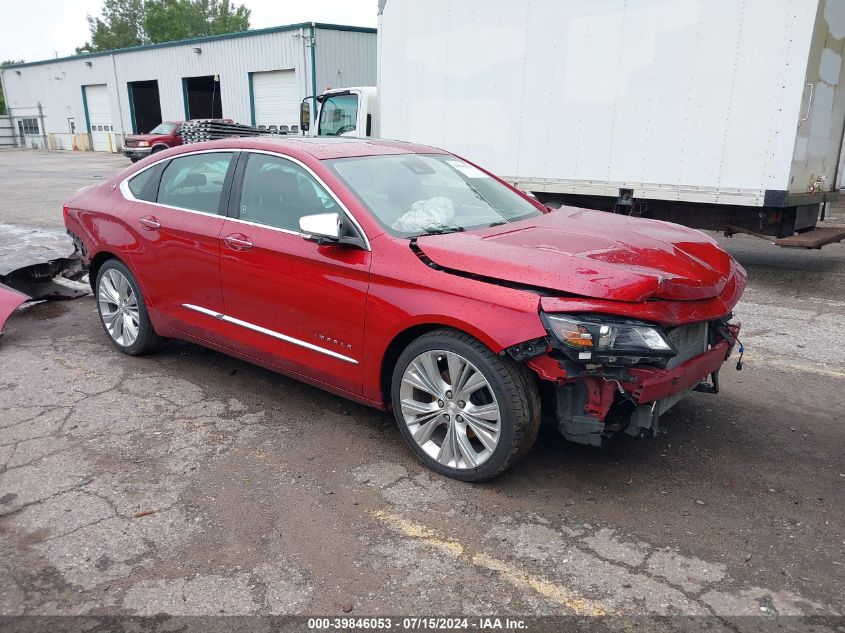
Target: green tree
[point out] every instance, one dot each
(3, 64)
(125, 23)
(121, 25)
(168, 20)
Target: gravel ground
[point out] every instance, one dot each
(192, 483)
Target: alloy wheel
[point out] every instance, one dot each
(450, 409)
(118, 307)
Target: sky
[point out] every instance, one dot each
(61, 26)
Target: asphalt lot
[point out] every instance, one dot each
(191, 483)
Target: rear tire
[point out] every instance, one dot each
(123, 314)
(466, 413)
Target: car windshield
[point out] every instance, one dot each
(423, 194)
(163, 128)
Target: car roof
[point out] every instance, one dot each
(322, 147)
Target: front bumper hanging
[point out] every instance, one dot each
(594, 402)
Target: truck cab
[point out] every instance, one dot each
(342, 112)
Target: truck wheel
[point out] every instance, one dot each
(467, 413)
(122, 310)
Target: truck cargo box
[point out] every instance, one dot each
(697, 102)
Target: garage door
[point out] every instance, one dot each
(99, 117)
(275, 98)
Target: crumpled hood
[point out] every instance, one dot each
(591, 254)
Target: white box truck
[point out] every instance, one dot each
(716, 114)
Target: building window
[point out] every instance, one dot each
(28, 126)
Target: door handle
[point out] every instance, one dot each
(809, 104)
(150, 223)
(238, 242)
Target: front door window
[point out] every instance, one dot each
(277, 192)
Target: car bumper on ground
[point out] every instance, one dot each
(10, 299)
(136, 153)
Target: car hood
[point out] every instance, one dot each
(590, 254)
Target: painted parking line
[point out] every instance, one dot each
(773, 361)
(545, 588)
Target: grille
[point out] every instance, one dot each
(690, 341)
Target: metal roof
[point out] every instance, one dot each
(194, 40)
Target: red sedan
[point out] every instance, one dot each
(407, 278)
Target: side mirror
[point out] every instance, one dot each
(304, 116)
(321, 226)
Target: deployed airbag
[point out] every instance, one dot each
(425, 215)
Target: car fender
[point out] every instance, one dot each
(497, 328)
(407, 298)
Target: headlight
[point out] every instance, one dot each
(143, 143)
(603, 340)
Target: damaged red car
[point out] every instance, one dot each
(407, 278)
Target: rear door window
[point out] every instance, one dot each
(195, 181)
(142, 186)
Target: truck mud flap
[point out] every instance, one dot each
(815, 238)
(10, 299)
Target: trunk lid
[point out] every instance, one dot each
(590, 254)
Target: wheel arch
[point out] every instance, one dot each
(96, 263)
(404, 338)
(101, 258)
(159, 147)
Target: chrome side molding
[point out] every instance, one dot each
(271, 333)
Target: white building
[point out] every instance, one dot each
(256, 77)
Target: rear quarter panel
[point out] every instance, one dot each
(97, 216)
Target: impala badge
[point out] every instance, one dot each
(332, 341)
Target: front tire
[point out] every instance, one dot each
(123, 314)
(466, 413)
